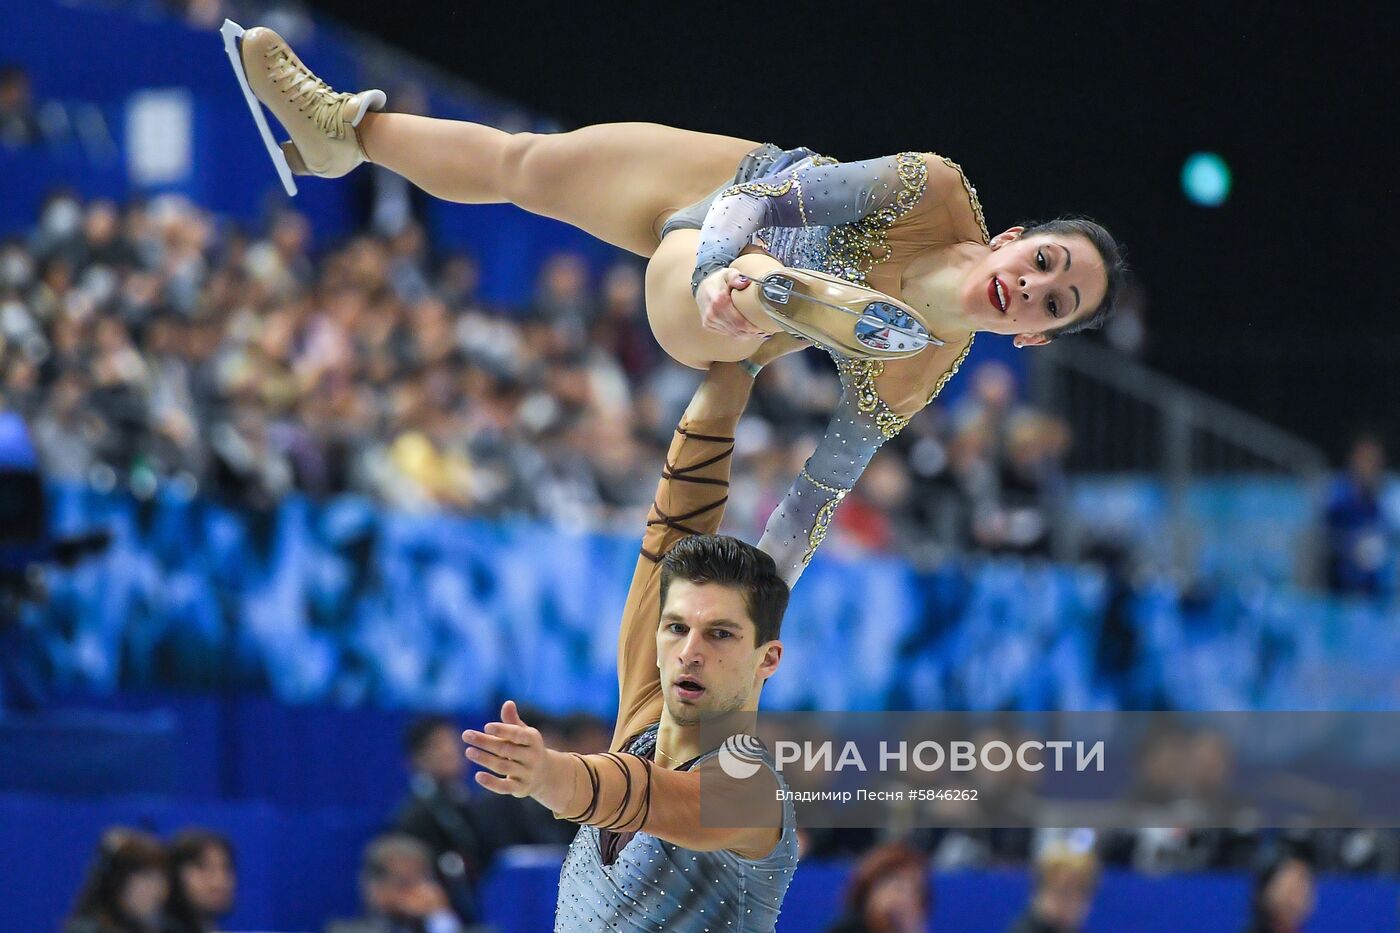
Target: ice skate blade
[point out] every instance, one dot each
(855, 326)
(231, 32)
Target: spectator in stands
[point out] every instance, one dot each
(889, 892)
(992, 403)
(1284, 896)
(203, 881)
(127, 886)
(1065, 881)
(400, 892)
(438, 810)
(621, 328)
(19, 127)
(583, 734)
(1031, 483)
(1358, 534)
(563, 296)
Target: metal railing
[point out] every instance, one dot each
(1126, 417)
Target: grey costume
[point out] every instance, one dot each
(812, 212)
(656, 886)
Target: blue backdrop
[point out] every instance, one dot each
(342, 602)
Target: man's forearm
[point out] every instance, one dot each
(627, 794)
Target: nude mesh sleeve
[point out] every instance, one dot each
(800, 522)
(811, 193)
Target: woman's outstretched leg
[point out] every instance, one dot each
(617, 181)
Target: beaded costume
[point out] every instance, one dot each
(862, 222)
(654, 885)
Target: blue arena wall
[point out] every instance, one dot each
(345, 603)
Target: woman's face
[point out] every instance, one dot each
(143, 895)
(897, 902)
(209, 882)
(1289, 895)
(1027, 285)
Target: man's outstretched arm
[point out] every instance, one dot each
(626, 793)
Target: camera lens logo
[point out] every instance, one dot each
(741, 756)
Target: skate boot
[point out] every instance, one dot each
(320, 120)
(850, 319)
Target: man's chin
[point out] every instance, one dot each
(687, 712)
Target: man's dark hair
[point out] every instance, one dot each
(422, 729)
(730, 562)
(1114, 267)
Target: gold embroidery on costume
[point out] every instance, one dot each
(861, 374)
(952, 370)
(822, 523)
(760, 188)
(971, 194)
(825, 160)
(854, 247)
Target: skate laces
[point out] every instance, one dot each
(310, 93)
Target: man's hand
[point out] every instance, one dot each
(780, 344)
(517, 753)
(717, 310)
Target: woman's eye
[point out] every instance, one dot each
(1054, 308)
(1040, 259)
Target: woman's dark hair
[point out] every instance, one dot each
(120, 856)
(730, 562)
(880, 863)
(1114, 267)
(185, 849)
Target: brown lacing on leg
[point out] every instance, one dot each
(681, 475)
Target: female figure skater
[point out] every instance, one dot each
(900, 239)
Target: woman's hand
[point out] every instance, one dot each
(717, 310)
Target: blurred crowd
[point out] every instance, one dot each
(422, 872)
(155, 347)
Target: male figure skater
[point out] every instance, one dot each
(699, 637)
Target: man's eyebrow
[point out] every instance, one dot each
(674, 616)
(1076, 298)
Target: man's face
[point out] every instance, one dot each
(706, 650)
(440, 756)
(1064, 900)
(394, 892)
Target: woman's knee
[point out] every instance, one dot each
(532, 170)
